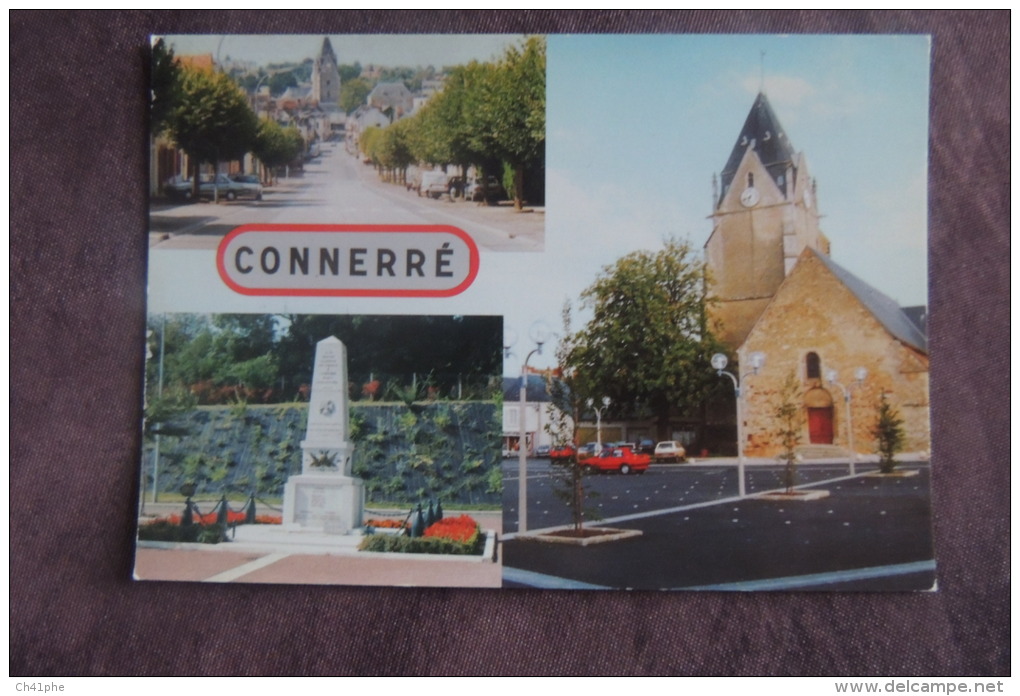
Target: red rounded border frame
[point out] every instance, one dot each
(473, 260)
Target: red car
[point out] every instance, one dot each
(559, 455)
(622, 459)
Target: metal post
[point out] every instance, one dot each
(741, 490)
(522, 456)
(250, 517)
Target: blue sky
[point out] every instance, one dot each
(636, 127)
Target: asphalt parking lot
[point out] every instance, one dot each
(870, 534)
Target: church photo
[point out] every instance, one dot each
(790, 381)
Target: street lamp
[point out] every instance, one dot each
(539, 334)
(598, 419)
(860, 374)
(719, 362)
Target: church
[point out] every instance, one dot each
(779, 292)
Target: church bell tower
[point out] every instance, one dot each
(764, 215)
(326, 77)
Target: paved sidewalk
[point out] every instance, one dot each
(272, 554)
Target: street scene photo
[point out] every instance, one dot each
(348, 130)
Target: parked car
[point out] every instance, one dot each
(622, 460)
(229, 189)
(245, 178)
(483, 189)
(433, 184)
(646, 446)
(542, 451)
(586, 451)
(178, 187)
(670, 451)
(562, 454)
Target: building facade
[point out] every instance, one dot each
(779, 293)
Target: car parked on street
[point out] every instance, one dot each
(483, 189)
(227, 188)
(542, 451)
(646, 446)
(622, 460)
(562, 454)
(433, 184)
(670, 451)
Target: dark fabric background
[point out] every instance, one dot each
(78, 253)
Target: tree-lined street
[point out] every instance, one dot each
(335, 189)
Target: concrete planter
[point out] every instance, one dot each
(794, 497)
(589, 536)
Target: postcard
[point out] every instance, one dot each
(631, 312)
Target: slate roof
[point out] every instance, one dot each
(536, 393)
(327, 50)
(766, 135)
(894, 318)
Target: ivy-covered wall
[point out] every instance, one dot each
(444, 450)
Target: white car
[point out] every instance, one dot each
(434, 184)
(669, 451)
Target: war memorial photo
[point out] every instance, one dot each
(260, 442)
(709, 370)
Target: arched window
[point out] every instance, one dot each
(750, 179)
(814, 366)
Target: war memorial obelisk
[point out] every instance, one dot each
(326, 496)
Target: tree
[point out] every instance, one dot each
(165, 86)
(212, 120)
(276, 146)
(508, 119)
(888, 433)
(568, 399)
(353, 93)
(349, 71)
(790, 421)
(648, 343)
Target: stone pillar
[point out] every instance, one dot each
(326, 496)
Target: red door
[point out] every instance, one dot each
(820, 425)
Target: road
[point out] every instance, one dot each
(871, 533)
(336, 188)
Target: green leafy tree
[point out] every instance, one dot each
(888, 433)
(507, 120)
(394, 150)
(790, 425)
(165, 87)
(276, 146)
(353, 93)
(648, 342)
(212, 120)
(349, 71)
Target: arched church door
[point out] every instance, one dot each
(819, 411)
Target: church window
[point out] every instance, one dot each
(781, 180)
(750, 179)
(814, 366)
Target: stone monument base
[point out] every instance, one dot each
(323, 502)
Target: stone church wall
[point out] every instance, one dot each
(815, 312)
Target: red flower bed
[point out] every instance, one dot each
(463, 529)
(211, 518)
(386, 524)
